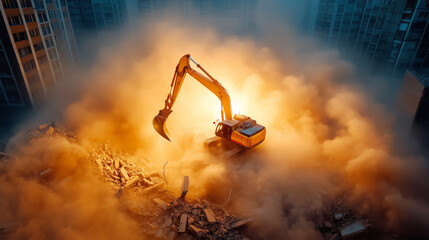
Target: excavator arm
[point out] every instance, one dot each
(183, 68)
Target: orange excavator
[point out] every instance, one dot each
(233, 132)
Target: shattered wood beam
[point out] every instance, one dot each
(185, 187)
(183, 221)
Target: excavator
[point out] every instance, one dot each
(233, 134)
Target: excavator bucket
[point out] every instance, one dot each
(159, 125)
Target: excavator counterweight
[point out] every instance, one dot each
(239, 130)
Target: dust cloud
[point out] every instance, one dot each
(325, 141)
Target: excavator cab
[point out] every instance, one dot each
(225, 128)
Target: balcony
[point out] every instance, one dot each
(40, 52)
(22, 44)
(36, 39)
(27, 58)
(11, 11)
(27, 10)
(32, 25)
(17, 28)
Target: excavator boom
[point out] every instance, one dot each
(183, 67)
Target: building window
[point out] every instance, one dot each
(42, 17)
(29, 66)
(30, 18)
(46, 30)
(24, 51)
(20, 36)
(14, 20)
(38, 46)
(423, 14)
(34, 32)
(49, 42)
(10, 4)
(38, 4)
(403, 27)
(26, 3)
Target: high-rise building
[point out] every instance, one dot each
(37, 45)
(411, 43)
(393, 33)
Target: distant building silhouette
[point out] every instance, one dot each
(90, 17)
(240, 14)
(393, 33)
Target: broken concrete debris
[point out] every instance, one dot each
(209, 215)
(240, 223)
(338, 216)
(132, 182)
(165, 218)
(123, 173)
(196, 231)
(353, 230)
(197, 220)
(51, 129)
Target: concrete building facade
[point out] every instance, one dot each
(38, 44)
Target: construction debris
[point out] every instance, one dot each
(185, 187)
(353, 230)
(121, 174)
(240, 223)
(47, 174)
(163, 216)
(338, 216)
(51, 129)
(183, 223)
(209, 216)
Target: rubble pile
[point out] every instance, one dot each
(51, 129)
(121, 174)
(144, 196)
(337, 221)
(201, 220)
